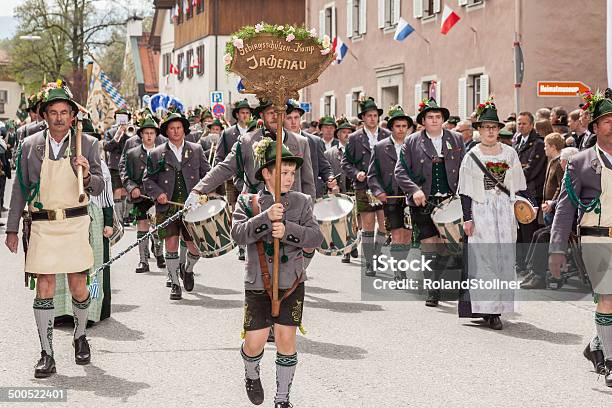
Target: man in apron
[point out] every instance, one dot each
(588, 189)
(47, 182)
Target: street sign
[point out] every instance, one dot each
(216, 97)
(561, 88)
(218, 110)
(306, 106)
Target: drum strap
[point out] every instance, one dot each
(265, 272)
(488, 174)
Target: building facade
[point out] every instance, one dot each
(461, 69)
(10, 91)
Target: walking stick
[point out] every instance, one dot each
(79, 152)
(280, 117)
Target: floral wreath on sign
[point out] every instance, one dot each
(489, 103)
(288, 32)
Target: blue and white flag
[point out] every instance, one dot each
(403, 30)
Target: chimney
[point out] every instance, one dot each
(134, 26)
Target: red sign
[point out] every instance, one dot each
(218, 110)
(561, 88)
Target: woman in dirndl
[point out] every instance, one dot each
(489, 222)
(100, 211)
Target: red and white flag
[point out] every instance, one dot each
(173, 69)
(449, 19)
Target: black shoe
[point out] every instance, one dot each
(495, 323)
(526, 274)
(82, 353)
(45, 366)
(254, 391)
(433, 298)
(142, 267)
(346, 258)
(127, 222)
(355, 253)
(537, 282)
(608, 373)
(188, 281)
(596, 358)
(241, 256)
(175, 292)
(271, 337)
(370, 270)
(161, 262)
(182, 270)
(284, 404)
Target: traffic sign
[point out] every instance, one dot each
(306, 106)
(561, 88)
(218, 110)
(216, 97)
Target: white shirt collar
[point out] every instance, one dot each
(178, 151)
(242, 130)
(55, 146)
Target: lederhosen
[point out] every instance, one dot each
(394, 207)
(141, 205)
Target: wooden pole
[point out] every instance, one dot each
(280, 117)
(79, 152)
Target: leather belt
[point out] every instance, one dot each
(61, 214)
(596, 231)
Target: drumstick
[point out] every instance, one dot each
(167, 202)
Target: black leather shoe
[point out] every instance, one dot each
(168, 282)
(537, 282)
(346, 258)
(433, 297)
(175, 292)
(161, 262)
(495, 323)
(370, 270)
(188, 281)
(609, 373)
(82, 353)
(596, 358)
(284, 404)
(355, 253)
(182, 270)
(254, 391)
(45, 366)
(241, 256)
(142, 267)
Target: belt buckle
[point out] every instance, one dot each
(56, 215)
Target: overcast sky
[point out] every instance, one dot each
(8, 6)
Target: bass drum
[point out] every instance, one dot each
(338, 222)
(210, 227)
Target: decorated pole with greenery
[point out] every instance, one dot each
(274, 63)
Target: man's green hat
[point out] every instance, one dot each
(123, 111)
(265, 155)
(172, 117)
(263, 105)
(294, 105)
(343, 123)
(397, 112)
(241, 105)
(56, 95)
(147, 123)
(367, 105)
(216, 122)
(206, 114)
(89, 128)
(327, 120)
(598, 105)
(453, 120)
(506, 134)
(487, 112)
(429, 106)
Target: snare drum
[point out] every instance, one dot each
(338, 222)
(210, 227)
(448, 219)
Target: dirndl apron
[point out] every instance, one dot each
(597, 251)
(59, 246)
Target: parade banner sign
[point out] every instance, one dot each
(275, 62)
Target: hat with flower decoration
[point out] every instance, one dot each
(430, 105)
(487, 112)
(265, 155)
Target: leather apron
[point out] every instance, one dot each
(61, 245)
(597, 251)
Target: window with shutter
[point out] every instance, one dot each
(190, 64)
(349, 17)
(462, 98)
(322, 22)
(362, 11)
(397, 5)
(417, 8)
(484, 88)
(332, 106)
(181, 66)
(418, 96)
(333, 22)
(381, 13)
(200, 61)
(322, 107)
(348, 105)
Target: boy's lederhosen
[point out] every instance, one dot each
(440, 191)
(258, 303)
(176, 228)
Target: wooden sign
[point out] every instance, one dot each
(277, 61)
(561, 88)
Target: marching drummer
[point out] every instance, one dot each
(355, 163)
(381, 180)
(588, 189)
(256, 221)
(428, 172)
(132, 171)
(172, 170)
